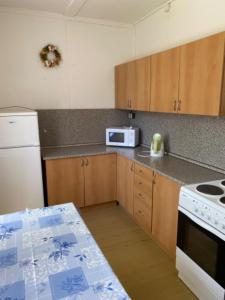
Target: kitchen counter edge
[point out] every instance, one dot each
(177, 169)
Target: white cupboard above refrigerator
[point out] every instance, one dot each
(21, 184)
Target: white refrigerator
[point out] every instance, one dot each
(21, 184)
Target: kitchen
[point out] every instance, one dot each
(77, 68)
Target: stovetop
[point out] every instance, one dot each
(213, 191)
(206, 201)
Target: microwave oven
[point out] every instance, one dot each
(122, 136)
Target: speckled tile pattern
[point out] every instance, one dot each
(77, 126)
(177, 169)
(195, 137)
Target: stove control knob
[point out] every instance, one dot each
(216, 222)
(196, 209)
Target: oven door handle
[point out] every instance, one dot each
(202, 223)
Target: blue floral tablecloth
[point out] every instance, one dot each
(49, 253)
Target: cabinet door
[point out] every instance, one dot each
(165, 81)
(125, 85)
(142, 85)
(100, 179)
(65, 181)
(125, 183)
(130, 84)
(201, 72)
(120, 86)
(165, 212)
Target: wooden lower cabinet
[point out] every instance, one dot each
(83, 181)
(125, 183)
(152, 199)
(100, 179)
(165, 213)
(65, 181)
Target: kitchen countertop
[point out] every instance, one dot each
(180, 170)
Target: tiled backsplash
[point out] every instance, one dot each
(194, 137)
(77, 126)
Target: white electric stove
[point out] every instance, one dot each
(200, 255)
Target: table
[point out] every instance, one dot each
(49, 253)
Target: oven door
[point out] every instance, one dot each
(202, 244)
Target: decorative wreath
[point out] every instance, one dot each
(50, 56)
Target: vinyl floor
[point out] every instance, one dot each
(144, 270)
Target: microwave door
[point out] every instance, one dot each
(203, 246)
(117, 138)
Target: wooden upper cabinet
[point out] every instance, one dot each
(165, 213)
(100, 179)
(132, 81)
(141, 100)
(125, 85)
(125, 183)
(165, 81)
(120, 86)
(65, 181)
(201, 75)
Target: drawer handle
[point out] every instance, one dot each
(140, 182)
(139, 211)
(140, 171)
(139, 194)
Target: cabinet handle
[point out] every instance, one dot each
(128, 103)
(153, 181)
(179, 105)
(175, 105)
(82, 162)
(139, 211)
(132, 167)
(87, 163)
(140, 195)
(140, 182)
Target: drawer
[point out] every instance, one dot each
(142, 197)
(144, 172)
(143, 184)
(140, 214)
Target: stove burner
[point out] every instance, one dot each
(210, 189)
(223, 182)
(222, 200)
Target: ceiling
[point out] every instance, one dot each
(127, 11)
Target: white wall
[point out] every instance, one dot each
(188, 20)
(85, 77)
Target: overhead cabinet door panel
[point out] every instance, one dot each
(165, 81)
(130, 83)
(201, 72)
(142, 84)
(120, 82)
